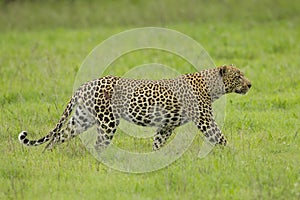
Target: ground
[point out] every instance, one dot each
(43, 45)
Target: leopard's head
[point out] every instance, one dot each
(234, 80)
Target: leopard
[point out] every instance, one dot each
(164, 104)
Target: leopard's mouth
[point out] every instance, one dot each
(239, 92)
(242, 90)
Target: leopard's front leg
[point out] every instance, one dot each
(161, 137)
(210, 129)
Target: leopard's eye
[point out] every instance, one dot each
(238, 75)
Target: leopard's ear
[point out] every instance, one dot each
(223, 70)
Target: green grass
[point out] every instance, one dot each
(43, 46)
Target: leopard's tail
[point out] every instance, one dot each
(52, 134)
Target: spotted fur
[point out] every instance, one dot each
(165, 104)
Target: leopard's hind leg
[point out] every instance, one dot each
(81, 120)
(107, 125)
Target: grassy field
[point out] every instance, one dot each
(44, 44)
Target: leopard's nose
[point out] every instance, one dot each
(249, 85)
